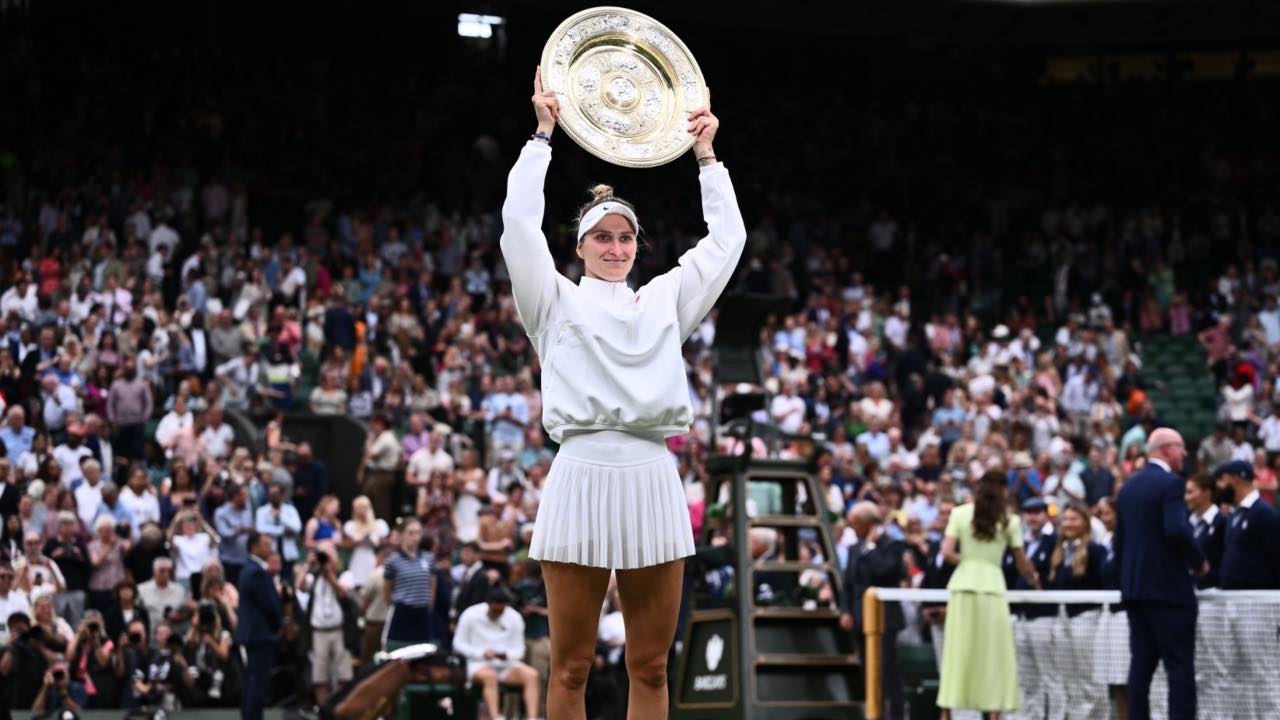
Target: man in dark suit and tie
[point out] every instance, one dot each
(1157, 557)
(474, 582)
(875, 561)
(1251, 561)
(258, 626)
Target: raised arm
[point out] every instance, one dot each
(524, 247)
(705, 270)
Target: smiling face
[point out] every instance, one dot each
(608, 250)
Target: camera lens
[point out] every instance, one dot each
(135, 638)
(94, 627)
(59, 675)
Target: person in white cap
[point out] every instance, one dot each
(614, 387)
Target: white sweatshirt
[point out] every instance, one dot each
(611, 357)
(476, 632)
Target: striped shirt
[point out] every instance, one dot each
(413, 578)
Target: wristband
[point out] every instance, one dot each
(541, 136)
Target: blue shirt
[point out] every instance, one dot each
(234, 546)
(504, 431)
(120, 514)
(16, 443)
(877, 444)
(1033, 481)
(269, 524)
(411, 578)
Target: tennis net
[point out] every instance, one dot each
(1072, 653)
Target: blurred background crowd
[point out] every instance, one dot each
(988, 267)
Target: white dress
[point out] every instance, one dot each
(613, 379)
(365, 555)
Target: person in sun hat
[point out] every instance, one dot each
(614, 387)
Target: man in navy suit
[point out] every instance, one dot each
(1157, 556)
(1251, 561)
(259, 623)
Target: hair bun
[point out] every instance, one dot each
(602, 192)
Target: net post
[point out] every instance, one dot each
(873, 628)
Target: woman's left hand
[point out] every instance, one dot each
(703, 125)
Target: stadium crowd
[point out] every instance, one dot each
(993, 325)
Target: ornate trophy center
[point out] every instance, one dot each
(621, 93)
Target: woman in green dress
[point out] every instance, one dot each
(979, 670)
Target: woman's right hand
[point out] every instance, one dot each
(546, 106)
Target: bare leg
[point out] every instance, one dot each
(650, 599)
(376, 691)
(575, 594)
(528, 680)
(487, 679)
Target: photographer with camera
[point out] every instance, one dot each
(93, 681)
(55, 692)
(162, 678)
(26, 659)
(329, 612)
(130, 656)
(209, 651)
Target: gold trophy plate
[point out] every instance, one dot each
(626, 86)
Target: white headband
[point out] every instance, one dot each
(597, 213)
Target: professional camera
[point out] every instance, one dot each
(207, 616)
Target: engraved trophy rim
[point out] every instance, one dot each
(678, 85)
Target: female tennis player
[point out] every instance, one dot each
(613, 387)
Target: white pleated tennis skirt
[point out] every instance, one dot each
(612, 500)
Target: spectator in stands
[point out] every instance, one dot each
(382, 459)
(129, 406)
(125, 609)
(324, 530)
(217, 436)
(67, 549)
(279, 520)
(16, 435)
(166, 601)
(374, 607)
(507, 416)
(12, 600)
(310, 481)
(106, 556)
(70, 455)
(238, 379)
(57, 631)
(234, 521)
(366, 534)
